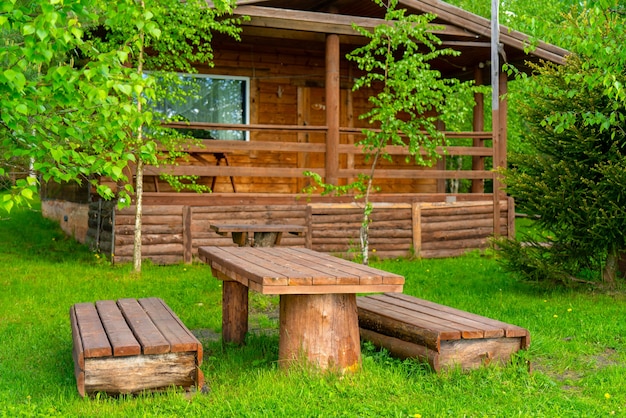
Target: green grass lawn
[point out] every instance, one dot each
(578, 349)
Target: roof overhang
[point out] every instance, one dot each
(304, 24)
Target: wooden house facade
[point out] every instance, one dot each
(285, 91)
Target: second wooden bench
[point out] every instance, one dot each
(131, 345)
(441, 335)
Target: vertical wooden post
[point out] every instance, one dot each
(416, 218)
(304, 108)
(332, 108)
(502, 161)
(478, 125)
(308, 237)
(495, 110)
(187, 238)
(503, 88)
(347, 117)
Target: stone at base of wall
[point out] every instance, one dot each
(73, 217)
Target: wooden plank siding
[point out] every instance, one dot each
(288, 128)
(173, 233)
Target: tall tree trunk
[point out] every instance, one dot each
(609, 273)
(138, 214)
(139, 173)
(621, 264)
(364, 238)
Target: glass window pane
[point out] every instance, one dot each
(211, 99)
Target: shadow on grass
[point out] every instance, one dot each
(26, 235)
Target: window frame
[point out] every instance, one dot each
(245, 100)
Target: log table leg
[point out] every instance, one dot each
(322, 329)
(234, 312)
(267, 239)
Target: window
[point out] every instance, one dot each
(210, 98)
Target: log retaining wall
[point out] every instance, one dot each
(173, 233)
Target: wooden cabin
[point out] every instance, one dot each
(279, 103)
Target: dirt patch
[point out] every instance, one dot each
(569, 379)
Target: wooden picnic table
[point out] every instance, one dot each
(318, 312)
(265, 235)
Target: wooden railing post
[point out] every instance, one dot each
(332, 108)
(187, 238)
(478, 162)
(416, 215)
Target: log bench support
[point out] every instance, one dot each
(442, 336)
(132, 345)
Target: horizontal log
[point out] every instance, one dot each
(332, 219)
(217, 242)
(135, 373)
(418, 173)
(156, 259)
(454, 218)
(241, 216)
(461, 243)
(149, 229)
(383, 225)
(436, 214)
(397, 215)
(150, 219)
(149, 239)
(379, 242)
(402, 349)
(344, 247)
(471, 354)
(349, 226)
(149, 250)
(221, 208)
(253, 217)
(151, 210)
(457, 234)
(373, 233)
(349, 206)
(447, 253)
(240, 198)
(372, 319)
(457, 225)
(387, 254)
(379, 247)
(282, 171)
(231, 171)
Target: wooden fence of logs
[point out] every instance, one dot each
(173, 233)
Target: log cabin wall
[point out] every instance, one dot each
(173, 233)
(287, 88)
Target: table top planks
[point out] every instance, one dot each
(291, 270)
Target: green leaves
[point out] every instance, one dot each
(412, 90)
(575, 173)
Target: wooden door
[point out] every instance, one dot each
(312, 112)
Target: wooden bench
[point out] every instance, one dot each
(131, 345)
(444, 337)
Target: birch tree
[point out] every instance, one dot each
(412, 98)
(75, 86)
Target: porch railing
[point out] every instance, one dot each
(346, 147)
